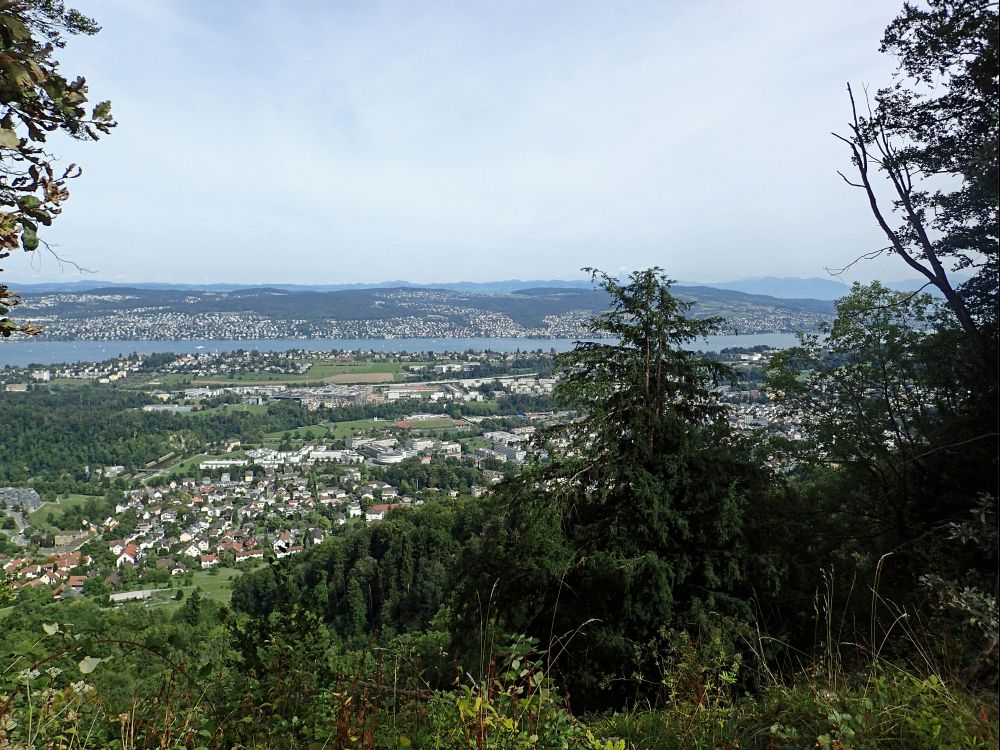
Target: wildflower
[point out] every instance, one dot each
(27, 675)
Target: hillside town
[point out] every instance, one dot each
(240, 505)
(145, 315)
(266, 504)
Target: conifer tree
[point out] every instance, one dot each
(637, 523)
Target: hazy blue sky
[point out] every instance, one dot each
(435, 141)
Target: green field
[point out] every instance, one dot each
(432, 424)
(341, 430)
(37, 518)
(322, 431)
(69, 381)
(471, 444)
(215, 587)
(307, 432)
(166, 381)
(242, 378)
(333, 430)
(340, 372)
(326, 369)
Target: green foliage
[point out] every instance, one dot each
(637, 555)
(190, 612)
(699, 669)
(513, 707)
(79, 677)
(444, 474)
(62, 431)
(7, 595)
(952, 127)
(899, 448)
(638, 520)
(390, 578)
(932, 136)
(887, 708)
(37, 99)
(871, 404)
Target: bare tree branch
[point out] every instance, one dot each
(870, 255)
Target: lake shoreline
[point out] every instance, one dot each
(24, 352)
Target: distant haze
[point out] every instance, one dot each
(814, 288)
(331, 143)
(783, 288)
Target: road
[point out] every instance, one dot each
(19, 522)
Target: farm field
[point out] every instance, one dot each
(473, 443)
(216, 586)
(341, 430)
(320, 371)
(371, 377)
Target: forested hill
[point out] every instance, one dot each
(553, 311)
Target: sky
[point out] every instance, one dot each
(436, 140)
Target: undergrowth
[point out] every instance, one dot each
(516, 706)
(885, 708)
(306, 693)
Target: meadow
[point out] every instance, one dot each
(320, 371)
(62, 503)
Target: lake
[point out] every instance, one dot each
(25, 351)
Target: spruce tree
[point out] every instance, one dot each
(636, 523)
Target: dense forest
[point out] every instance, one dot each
(63, 432)
(65, 435)
(657, 578)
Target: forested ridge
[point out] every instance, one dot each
(64, 435)
(528, 307)
(62, 432)
(389, 579)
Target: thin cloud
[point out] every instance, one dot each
(315, 142)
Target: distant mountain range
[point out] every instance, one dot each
(811, 288)
(769, 286)
(528, 305)
(482, 287)
(787, 288)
